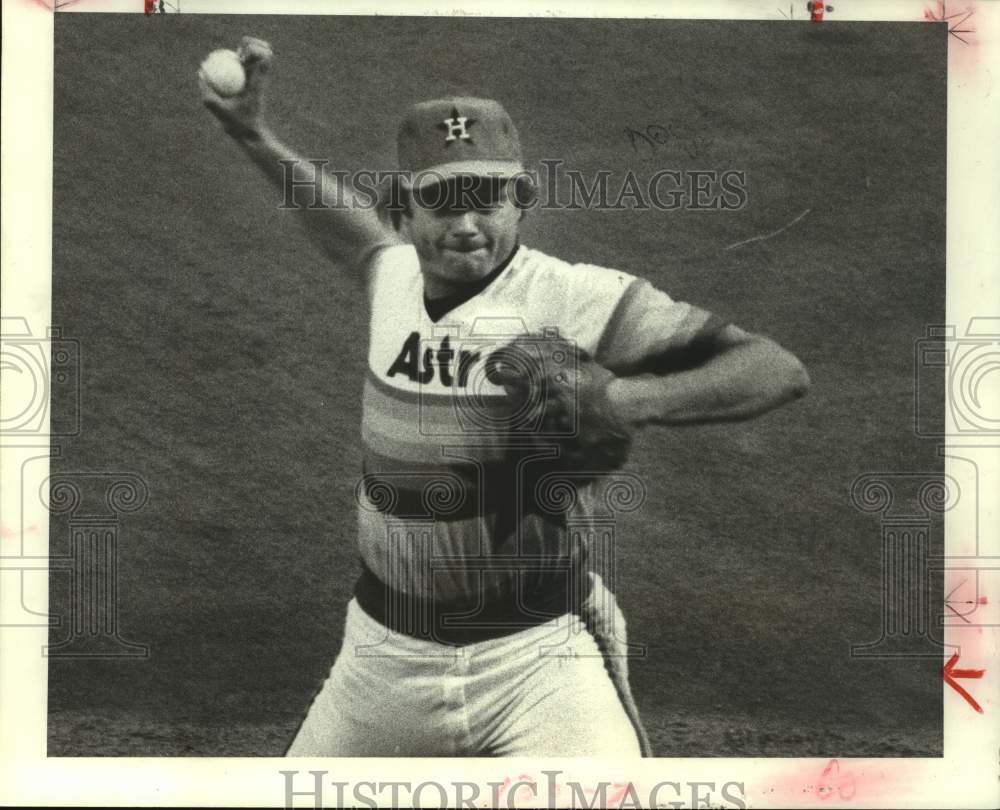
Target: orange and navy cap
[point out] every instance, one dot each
(449, 137)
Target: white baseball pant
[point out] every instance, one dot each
(544, 691)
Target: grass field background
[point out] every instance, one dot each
(222, 358)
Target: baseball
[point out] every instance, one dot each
(223, 71)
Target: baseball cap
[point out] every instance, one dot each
(462, 135)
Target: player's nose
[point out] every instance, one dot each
(465, 224)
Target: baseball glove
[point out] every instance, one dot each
(559, 398)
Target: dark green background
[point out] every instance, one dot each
(222, 357)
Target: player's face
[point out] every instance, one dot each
(461, 230)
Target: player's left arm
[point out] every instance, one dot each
(715, 372)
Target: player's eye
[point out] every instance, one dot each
(480, 194)
(491, 193)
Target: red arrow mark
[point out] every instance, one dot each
(949, 673)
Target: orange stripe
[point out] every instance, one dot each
(617, 321)
(460, 414)
(414, 427)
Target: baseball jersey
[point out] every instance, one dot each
(448, 509)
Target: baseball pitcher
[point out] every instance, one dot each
(503, 390)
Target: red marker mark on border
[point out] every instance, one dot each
(948, 602)
(957, 22)
(832, 779)
(6, 532)
(514, 799)
(620, 791)
(949, 673)
(816, 10)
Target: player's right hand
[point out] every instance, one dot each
(242, 115)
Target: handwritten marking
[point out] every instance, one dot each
(58, 4)
(764, 236)
(656, 135)
(948, 601)
(845, 785)
(949, 673)
(943, 16)
(952, 591)
(621, 791)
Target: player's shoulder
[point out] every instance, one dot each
(578, 298)
(396, 255)
(392, 268)
(543, 268)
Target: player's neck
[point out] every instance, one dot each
(440, 297)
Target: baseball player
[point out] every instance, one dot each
(497, 375)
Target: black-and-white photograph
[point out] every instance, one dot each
(470, 387)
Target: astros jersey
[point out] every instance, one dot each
(448, 507)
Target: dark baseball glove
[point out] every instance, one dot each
(558, 398)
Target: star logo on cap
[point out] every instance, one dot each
(456, 128)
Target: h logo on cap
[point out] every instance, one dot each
(487, 140)
(457, 127)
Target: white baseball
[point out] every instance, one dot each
(223, 71)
